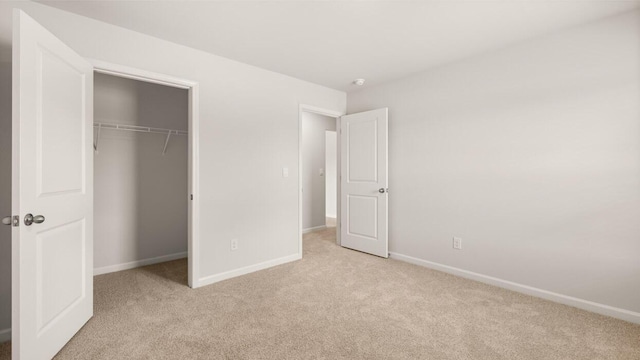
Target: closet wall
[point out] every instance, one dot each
(140, 194)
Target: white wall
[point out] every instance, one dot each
(5, 200)
(140, 195)
(248, 133)
(331, 171)
(531, 155)
(313, 159)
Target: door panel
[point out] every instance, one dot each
(363, 175)
(362, 211)
(52, 260)
(362, 147)
(59, 83)
(59, 255)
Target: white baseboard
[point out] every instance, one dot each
(315, 228)
(208, 280)
(5, 335)
(602, 309)
(138, 263)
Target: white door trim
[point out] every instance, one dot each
(193, 246)
(334, 114)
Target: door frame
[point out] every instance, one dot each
(302, 108)
(193, 242)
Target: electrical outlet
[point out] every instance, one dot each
(234, 244)
(457, 243)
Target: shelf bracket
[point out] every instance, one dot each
(166, 142)
(95, 142)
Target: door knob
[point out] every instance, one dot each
(6, 220)
(381, 190)
(30, 219)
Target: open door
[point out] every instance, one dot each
(52, 191)
(364, 182)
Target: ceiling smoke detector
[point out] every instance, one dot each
(358, 82)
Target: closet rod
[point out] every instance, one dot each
(136, 128)
(139, 128)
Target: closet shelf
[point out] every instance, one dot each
(136, 128)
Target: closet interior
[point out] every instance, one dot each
(140, 173)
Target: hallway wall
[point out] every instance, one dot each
(313, 160)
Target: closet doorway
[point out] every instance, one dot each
(144, 171)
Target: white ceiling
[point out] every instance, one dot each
(332, 43)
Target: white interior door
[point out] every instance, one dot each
(52, 278)
(364, 182)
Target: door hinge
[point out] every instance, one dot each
(191, 196)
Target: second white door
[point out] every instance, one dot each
(364, 182)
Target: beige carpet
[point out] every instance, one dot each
(335, 304)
